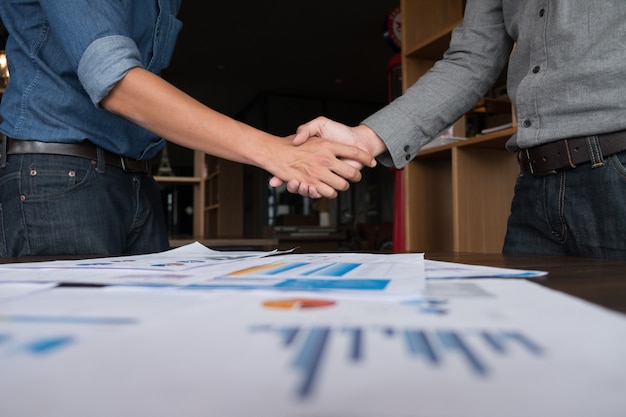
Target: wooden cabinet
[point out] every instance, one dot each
(217, 207)
(458, 195)
(223, 212)
(197, 182)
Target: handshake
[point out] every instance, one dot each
(328, 156)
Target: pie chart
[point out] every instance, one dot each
(298, 303)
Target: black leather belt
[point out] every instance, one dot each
(567, 153)
(81, 150)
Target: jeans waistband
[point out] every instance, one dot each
(85, 150)
(546, 159)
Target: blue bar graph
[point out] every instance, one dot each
(310, 356)
(419, 345)
(333, 284)
(334, 269)
(499, 342)
(432, 347)
(289, 335)
(453, 341)
(23, 318)
(47, 345)
(279, 269)
(356, 343)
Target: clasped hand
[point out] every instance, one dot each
(356, 149)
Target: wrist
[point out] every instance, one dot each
(370, 140)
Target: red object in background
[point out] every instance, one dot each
(394, 79)
(399, 236)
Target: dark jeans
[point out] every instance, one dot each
(65, 205)
(576, 212)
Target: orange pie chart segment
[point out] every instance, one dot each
(298, 303)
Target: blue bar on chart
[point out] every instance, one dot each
(419, 345)
(47, 345)
(335, 269)
(310, 356)
(355, 352)
(333, 284)
(499, 342)
(453, 341)
(280, 268)
(289, 335)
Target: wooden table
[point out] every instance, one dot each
(602, 282)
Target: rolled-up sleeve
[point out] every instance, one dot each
(105, 62)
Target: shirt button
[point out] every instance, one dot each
(527, 123)
(407, 157)
(536, 69)
(406, 148)
(542, 12)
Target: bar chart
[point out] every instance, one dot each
(476, 349)
(305, 276)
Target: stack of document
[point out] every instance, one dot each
(196, 332)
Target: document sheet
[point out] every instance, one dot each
(348, 335)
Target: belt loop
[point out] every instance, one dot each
(101, 162)
(3, 152)
(529, 161)
(595, 152)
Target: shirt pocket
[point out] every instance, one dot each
(165, 35)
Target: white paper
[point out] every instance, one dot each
(489, 347)
(344, 272)
(197, 267)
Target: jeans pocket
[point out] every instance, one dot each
(618, 163)
(44, 181)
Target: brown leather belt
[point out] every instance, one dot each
(567, 153)
(81, 150)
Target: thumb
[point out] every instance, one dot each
(276, 182)
(302, 135)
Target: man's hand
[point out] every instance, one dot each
(318, 163)
(360, 136)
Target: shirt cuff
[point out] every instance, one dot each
(105, 62)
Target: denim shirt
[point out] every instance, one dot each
(66, 55)
(566, 74)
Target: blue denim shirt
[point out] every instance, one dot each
(66, 55)
(566, 74)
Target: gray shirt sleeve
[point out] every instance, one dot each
(478, 52)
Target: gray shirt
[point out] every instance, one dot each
(566, 74)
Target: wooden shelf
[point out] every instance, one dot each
(223, 207)
(457, 195)
(433, 48)
(178, 180)
(217, 198)
(196, 181)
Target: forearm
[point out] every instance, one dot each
(161, 108)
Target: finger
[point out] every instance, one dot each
(339, 172)
(276, 182)
(355, 154)
(293, 186)
(303, 190)
(313, 193)
(323, 190)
